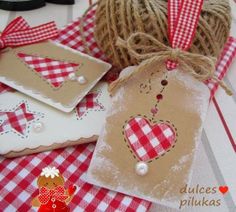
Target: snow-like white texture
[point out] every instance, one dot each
(116, 98)
(50, 172)
(199, 102)
(179, 165)
(119, 94)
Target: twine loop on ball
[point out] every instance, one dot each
(119, 18)
(153, 51)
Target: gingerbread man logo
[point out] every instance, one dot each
(53, 197)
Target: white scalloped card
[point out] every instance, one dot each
(52, 73)
(28, 126)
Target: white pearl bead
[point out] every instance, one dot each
(72, 76)
(141, 168)
(38, 127)
(82, 80)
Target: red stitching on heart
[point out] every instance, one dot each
(149, 140)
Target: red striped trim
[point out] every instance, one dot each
(227, 130)
(223, 64)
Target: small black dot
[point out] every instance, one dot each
(164, 82)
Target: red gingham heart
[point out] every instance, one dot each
(149, 141)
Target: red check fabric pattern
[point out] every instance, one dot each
(55, 72)
(227, 56)
(90, 102)
(147, 141)
(18, 182)
(183, 17)
(71, 36)
(173, 9)
(15, 120)
(18, 33)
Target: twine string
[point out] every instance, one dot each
(149, 51)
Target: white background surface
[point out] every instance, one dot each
(206, 171)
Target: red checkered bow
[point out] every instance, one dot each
(19, 33)
(58, 193)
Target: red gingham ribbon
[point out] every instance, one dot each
(58, 193)
(19, 33)
(183, 16)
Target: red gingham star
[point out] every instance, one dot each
(89, 102)
(16, 120)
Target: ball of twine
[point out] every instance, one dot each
(119, 18)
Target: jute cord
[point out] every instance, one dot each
(119, 18)
(154, 52)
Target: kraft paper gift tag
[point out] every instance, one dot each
(52, 73)
(148, 144)
(146, 148)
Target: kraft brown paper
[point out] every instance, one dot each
(184, 104)
(13, 68)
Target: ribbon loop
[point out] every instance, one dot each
(19, 33)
